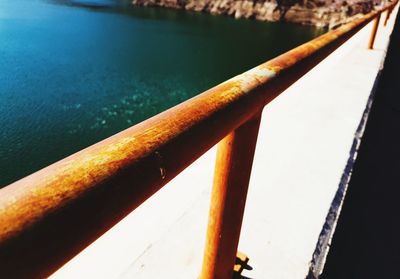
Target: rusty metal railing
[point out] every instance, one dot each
(51, 215)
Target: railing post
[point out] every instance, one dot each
(388, 12)
(374, 29)
(231, 179)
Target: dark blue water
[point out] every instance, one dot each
(75, 72)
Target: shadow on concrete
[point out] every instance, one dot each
(366, 243)
(240, 276)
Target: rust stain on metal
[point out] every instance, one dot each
(228, 199)
(160, 160)
(32, 198)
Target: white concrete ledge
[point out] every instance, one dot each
(303, 146)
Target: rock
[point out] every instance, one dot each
(323, 13)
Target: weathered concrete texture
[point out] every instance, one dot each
(366, 243)
(313, 12)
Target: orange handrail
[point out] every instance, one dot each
(48, 217)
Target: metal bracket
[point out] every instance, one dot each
(240, 263)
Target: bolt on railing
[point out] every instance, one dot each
(51, 215)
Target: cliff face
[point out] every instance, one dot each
(325, 13)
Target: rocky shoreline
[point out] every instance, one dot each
(321, 13)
